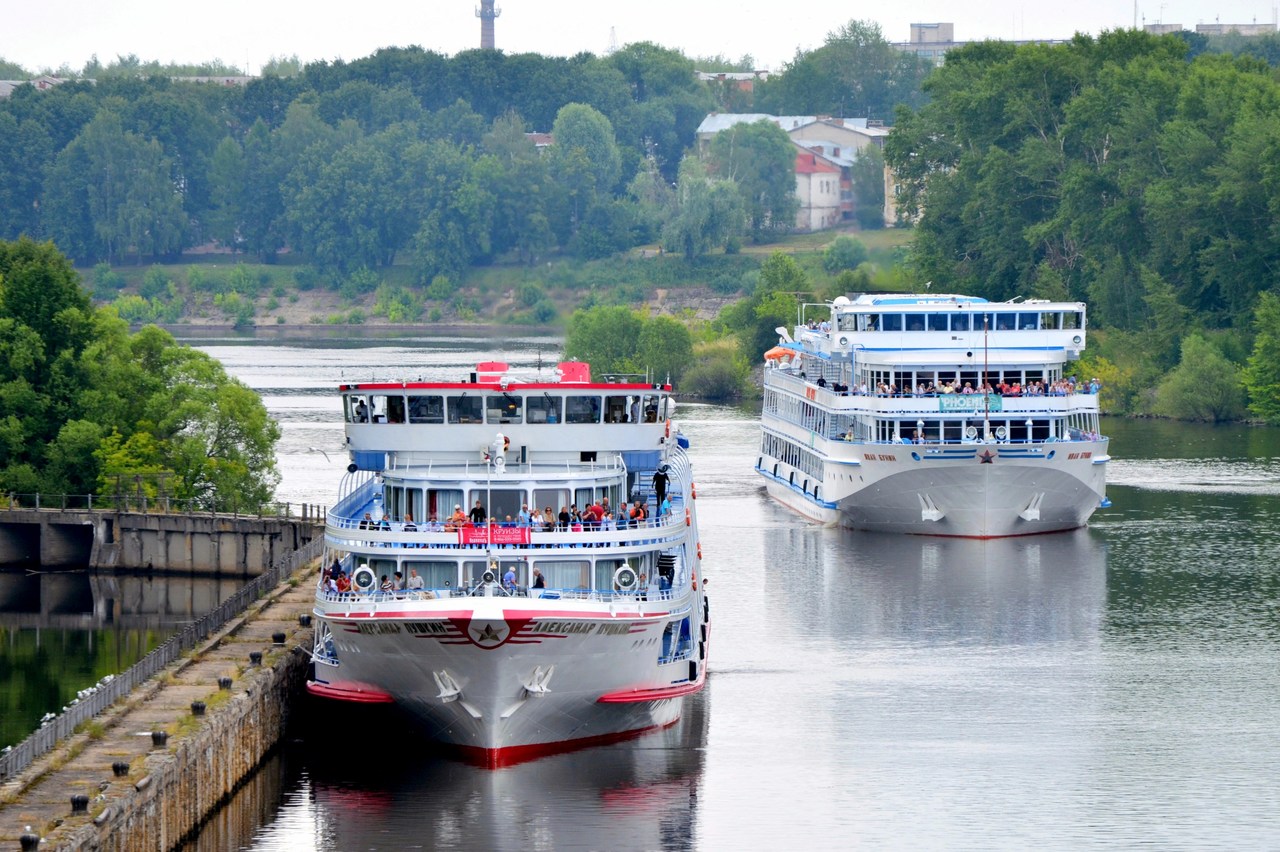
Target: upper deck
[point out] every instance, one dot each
(571, 418)
(922, 329)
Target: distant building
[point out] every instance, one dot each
(827, 148)
(933, 41)
(1162, 29)
(540, 140)
(818, 189)
(1254, 29)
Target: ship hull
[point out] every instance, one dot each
(500, 686)
(962, 497)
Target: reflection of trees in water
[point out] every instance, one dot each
(61, 632)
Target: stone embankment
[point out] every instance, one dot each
(147, 772)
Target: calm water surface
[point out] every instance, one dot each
(1115, 686)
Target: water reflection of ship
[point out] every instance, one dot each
(638, 794)
(86, 599)
(930, 590)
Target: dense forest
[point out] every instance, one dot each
(1119, 171)
(1131, 171)
(413, 157)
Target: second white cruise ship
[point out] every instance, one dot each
(935, 415)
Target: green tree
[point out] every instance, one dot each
(1262, 373)
(664, 349)
(709, 211)
(606, 337)
(761, 161)
(584, 158)
(855, 73)
(845, 252)
(1204, 386)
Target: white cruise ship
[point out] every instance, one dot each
(935, 415)
(506, 635)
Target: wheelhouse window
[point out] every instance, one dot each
(1028, 321)
(582, 409)
(504, 408)
(891, 322)
(937, 322)
(543, 409)
(621, 409)
(387, 409)
(426, 409)
(960, 322)
(465, 409)
(649, 407)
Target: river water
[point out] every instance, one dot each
(1114, 686)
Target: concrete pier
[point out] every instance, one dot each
(165, 790)
(195, 543)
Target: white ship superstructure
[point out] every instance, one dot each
(510, 637)
(936, 415)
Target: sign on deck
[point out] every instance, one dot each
(970, 402)
(493, 534)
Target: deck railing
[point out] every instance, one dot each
(143, 504)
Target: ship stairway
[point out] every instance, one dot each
(667, 563)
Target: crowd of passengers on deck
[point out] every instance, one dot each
(597, 516)
(1059, 387)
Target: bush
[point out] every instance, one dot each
(306, 278)
(154, 284)
(845, 252)
(106, 282)
(717, 376)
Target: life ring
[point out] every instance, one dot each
(688, 521)
(971, 432)
(668, 427)
(625, 578)
(1002, 432)
(363, 580)
(699, 550)
(693, 490)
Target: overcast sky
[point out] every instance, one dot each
(246, 33)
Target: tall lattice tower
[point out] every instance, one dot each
(486, 13)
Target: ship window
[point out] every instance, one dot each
(937, 322)
(959, 322)
(426, 409)
(504, 408)
(503, 503)
(868, 322)
(465, 409)
(1049, 320)
(915, 322)
(891, 322)
(621, 409)
(551, 498)
(566, 574)
(582, 409)
(1028, 322)
(606, 568)
(386, 409)
(1071, 319)
(650, 408)
(435, 575)
(543, 409)
(1004, 322)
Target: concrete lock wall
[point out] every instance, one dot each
(202, 544)
(203, 771)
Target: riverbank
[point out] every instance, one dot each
(143, 791)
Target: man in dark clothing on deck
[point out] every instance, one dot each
(477, 514)
(660, 481)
